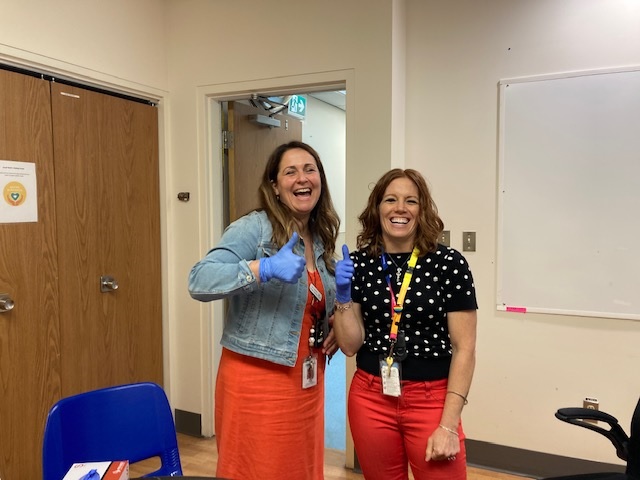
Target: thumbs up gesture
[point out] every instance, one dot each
(284, 265)
(344, 273)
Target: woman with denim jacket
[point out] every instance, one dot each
(276, 267)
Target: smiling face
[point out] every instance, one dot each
(399, 210)
(298, 183)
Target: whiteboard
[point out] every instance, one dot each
(569, 194)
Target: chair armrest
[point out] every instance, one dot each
(615, 433)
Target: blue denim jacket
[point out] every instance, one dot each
(264, 320)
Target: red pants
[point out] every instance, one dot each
(391, 433)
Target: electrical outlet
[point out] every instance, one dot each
(592, 404)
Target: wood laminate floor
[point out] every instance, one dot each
(199, 456)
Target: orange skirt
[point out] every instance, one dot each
(267, 425)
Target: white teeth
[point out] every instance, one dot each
(302, 190)
(400, 220)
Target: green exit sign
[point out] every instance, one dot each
(298, 106)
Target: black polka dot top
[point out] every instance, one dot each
(441, 283)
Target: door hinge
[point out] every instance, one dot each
(227, 139)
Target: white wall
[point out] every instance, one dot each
(528, 365)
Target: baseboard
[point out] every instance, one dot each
(529, 463)
(188, 423)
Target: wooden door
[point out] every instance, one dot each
(107, 191)
(248, 154)
(29, 333)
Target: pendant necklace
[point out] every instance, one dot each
(399, 269)
(316, 334)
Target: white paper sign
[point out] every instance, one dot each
(19, 202)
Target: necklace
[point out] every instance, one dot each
(399, 268)
(317, 310)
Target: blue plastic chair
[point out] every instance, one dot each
(127, 422)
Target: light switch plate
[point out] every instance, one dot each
(468, 241)
(445, 238)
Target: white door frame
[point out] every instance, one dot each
(210, 183)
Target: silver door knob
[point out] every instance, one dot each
(108, 284)
(6, 303)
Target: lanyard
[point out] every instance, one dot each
(396, 306)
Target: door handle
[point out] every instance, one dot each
(6, 302)
(108, 284)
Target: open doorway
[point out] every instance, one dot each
(319, 119)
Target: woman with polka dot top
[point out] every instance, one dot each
(406, 307)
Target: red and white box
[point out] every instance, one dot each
(118, 470)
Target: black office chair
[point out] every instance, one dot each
(627, 447)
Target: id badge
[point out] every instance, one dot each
(310, 372)
(315, 292)
(390, 376)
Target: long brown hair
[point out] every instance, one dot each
(429, 228)
(323, 221)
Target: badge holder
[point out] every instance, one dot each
(310, 371)
(391, 376)
(391, 367)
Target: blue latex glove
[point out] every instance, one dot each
(284, 265)
(344, 273)
(91, 475)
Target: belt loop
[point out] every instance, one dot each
(428, 386)
(371, 380)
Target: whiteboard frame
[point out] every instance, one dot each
(522, 309)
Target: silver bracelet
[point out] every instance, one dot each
(449, 430)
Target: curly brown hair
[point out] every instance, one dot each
(323, 222)
(430, 225)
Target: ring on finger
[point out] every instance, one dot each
(452, 457)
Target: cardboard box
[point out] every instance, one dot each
(118, 470)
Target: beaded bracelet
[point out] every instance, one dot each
(449, 430)
(341, 307)
(460, 395)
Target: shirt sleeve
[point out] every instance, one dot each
(459, 289)
(225, 269)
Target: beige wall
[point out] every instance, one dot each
(528, 365)
(118, 43)
(456, 52)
